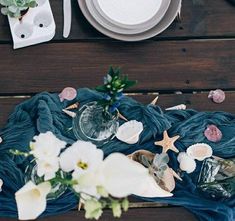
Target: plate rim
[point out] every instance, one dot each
(149, 22)
(131, 38)
(111, 27)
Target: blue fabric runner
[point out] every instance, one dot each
(43, 113)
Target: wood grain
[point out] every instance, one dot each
(200, 18)
(150, 214)
(158, 66)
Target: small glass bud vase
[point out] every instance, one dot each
(57, 188)
(93, 124)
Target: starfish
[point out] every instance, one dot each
(168, 143)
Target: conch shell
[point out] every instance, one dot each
(69, 113)
(199, 151)
(130, 131)
(72, 106)
(177, 107)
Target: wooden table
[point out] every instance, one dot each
(182, 65)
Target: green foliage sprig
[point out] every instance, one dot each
(14, 8)
(114, 84)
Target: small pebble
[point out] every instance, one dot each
(213, 133)
(217, 96)
(68, 93)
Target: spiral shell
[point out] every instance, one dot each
(217, 96)
(68, 93)
(177, 107)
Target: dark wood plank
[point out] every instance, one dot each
(173, 65)
(150, 214)
(200, 18)
(198, 101)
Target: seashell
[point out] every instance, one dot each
(72, 106)
(1, 184)
(213, 133)
(69, 113)
(218, 96)
(177, 107)
(187, 163)
(149, 188)
(168, 179)
(68, 93)
(130, 131)
(121, 116)
(154, 101)
(1, 140)
(199, 151)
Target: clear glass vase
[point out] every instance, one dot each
(31, 175)
(93, 124)
(217, 178)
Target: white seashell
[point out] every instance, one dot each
(130, 131)
(1, 140)
(187, 163)
(199, 151)
(1, 184)
(177, 107)
(150, 188)
(69, 113)
(169, 180)
(154, 101)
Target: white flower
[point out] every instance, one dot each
(187, 163)
(81, 156)
(31, 200)
(122, 176)
(47, 167)
(46, 145)
(1, 184)
(87, 183)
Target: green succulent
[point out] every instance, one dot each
(13, 8)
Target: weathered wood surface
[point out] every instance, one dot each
(200, 18)
(168, 65)
(150, 214)
(197, 54)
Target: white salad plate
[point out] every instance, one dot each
(166, 20)
(124, 30)
(132, 14)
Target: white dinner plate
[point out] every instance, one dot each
(121, 30)
(168, 18)
(132, 14)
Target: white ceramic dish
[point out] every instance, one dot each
(36, 26)
(167, 19)
(123, 30)
(132, 14)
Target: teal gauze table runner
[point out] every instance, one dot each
(43, 113)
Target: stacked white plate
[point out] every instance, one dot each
(130, 20)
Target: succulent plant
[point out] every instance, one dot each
(14, 8)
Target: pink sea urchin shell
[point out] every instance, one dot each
(68, 93)
(218, 96)
(213, 133)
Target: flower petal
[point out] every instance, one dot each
(31, 200)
